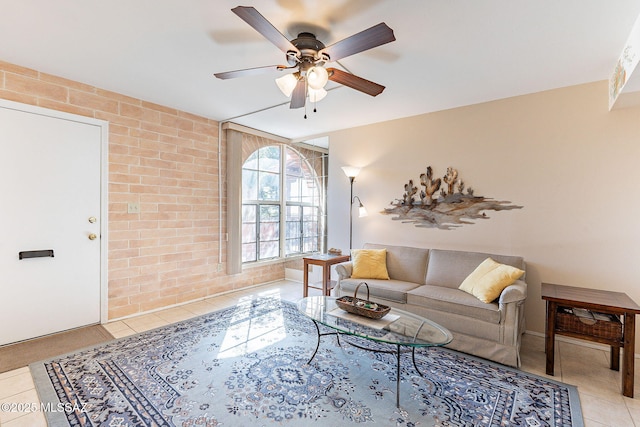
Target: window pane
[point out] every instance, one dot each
(269, 231)
(308, 190)
(293, 246)
(293, 163)
(310, 245)
(249, 252)
(249, 233)
(293, 222)
(310, 228)
(252, 160)
(270, 159)
(269, 186)
(310, 225)
(293, 230)
(269, 250)
(293, 176)
(310, 213)
(269, 213)
(293, 212)
(249, 185)
(249, 213)
(308, 186)
(249, 225)
(301, 183)
(293, 189)
(293, 238)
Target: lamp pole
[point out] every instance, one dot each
(351, 172)
(351, 178)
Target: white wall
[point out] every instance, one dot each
(561, 154)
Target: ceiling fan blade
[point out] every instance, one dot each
(355, 82)
(259, 23)
(249, 72)
(299, 95)
(372, 37)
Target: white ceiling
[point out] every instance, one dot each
(448, 53)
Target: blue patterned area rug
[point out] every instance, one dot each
(247, 366)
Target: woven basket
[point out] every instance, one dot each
(601, 329)
(362, 307)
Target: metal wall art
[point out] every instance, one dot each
(449, 208)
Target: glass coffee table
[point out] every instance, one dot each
(398, 328)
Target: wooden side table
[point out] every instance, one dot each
(325, 261)
(616, 303)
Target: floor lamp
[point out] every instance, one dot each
(351, 173)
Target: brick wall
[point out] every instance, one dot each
(166, 161)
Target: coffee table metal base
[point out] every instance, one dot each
(397, 352)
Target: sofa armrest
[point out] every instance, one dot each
(515, 292)
(344, 270)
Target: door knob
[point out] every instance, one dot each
(93, 236)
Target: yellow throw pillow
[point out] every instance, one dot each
(369, 264)
(489, 279)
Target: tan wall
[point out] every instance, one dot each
(561, 154)
(167, 161)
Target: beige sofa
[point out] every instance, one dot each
(426, 281)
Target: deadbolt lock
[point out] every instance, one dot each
(92, 219)
(93, 236)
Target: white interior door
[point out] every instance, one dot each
(50, 193)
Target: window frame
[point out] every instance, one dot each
(318, 203)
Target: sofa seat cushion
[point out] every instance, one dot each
(392, 290)
(454, 301)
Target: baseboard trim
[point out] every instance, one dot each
(219, 294)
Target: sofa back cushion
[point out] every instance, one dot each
(450, 268)
(405, 263)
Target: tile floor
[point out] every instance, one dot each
(585, 367)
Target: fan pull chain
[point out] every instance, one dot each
(306, 95)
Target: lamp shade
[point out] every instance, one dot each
(287, 83)
(351, 171)
(317, 77)
(362, 211)
(316, 95)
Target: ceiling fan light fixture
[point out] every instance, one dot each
(287, 83)
(316, 95)
(317, 77)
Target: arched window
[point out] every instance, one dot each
(282, 205)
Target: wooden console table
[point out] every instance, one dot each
(325, 261)
(600, 301)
